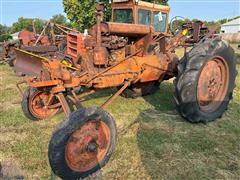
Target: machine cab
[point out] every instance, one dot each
(142, 13)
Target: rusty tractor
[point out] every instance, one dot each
(40, 44)
(135, 53)
(25, 38)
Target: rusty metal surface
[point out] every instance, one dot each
(19, 88)
(210, 89)
(122, 29)
(110, 100)
(113, 55)
(88, 145)
(40, 49)
(64, 103)
(27, 64)
(105, 59)
(44, 44)
(141, 5)
(37, 104)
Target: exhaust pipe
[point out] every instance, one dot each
(100, 52)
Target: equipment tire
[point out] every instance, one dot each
(77, 134)
(199, 95)
(27, 103)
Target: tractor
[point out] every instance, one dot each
(133, 53)
(41, 44)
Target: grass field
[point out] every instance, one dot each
(154, 142)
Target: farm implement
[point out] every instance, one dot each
(40, 44)
(134, 53)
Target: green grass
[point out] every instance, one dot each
(237, 51)
(154, 142)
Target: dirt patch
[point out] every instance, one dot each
(9, 171)
(12, 137)
(4, 106)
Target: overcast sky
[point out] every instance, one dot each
(11, 10)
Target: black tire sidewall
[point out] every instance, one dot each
(29, 92)
(59, 140)
(192, 66)
(25, 103)
(227, 54)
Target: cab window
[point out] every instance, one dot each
(123, 16)
(144, 17)
(159, 21)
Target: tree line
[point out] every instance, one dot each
(217, 24)
(27, 24)
(81, 14)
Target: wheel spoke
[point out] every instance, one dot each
(37, 105)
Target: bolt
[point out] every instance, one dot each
(92, 146)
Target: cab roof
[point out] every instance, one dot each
(155, 6)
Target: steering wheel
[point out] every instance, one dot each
(176, 24)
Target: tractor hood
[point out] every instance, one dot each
(123, 29)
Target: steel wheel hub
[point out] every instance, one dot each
(213, 84)
(37, 105)
(87, 146)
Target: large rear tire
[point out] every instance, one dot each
(82, 144)
(205, 81)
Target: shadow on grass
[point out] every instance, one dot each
(172, 148)
(101, 94)
(155, 136)
(162, 100)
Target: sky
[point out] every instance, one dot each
(11, 10)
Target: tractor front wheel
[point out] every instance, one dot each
(82, 144)
(206, 80)
(33, 104)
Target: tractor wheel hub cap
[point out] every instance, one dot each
(213, 84)
(87, 146)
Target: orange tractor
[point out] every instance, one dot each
(135, 53)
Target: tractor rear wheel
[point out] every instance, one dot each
(205, 82)
(82, 144)
(141, 89)
(33, 104)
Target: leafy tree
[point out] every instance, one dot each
(82, 12)
(163, 2)
(60, 19)
(27, 24)
(5, 37)
(4, 33)
(4, 29)
(217, 24)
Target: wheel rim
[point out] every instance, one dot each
(37, 105)
(213, 84)
(87, 146)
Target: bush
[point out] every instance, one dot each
(5, 37)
